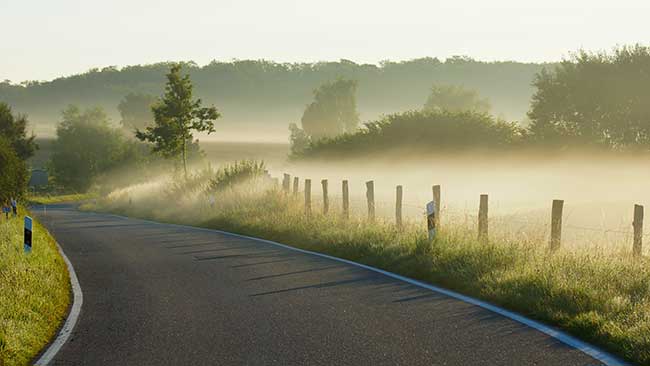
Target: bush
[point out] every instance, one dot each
(195, 183)
(238, 173)
(421, 132)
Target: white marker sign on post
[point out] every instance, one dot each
(431, 219)
(28, 234)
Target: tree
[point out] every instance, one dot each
(333, 111)
(298, 139)
(13, 179)
(597, 99)
(135, 110)
(14, 129)
(87, 146)
(455, 98)
(176, 116)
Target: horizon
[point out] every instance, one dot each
(72, 37)
(310, 62)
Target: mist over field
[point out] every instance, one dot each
(259, 99)
(599, 190)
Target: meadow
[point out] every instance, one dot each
(35, 291)
(592, 288)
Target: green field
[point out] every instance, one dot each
(35, 291)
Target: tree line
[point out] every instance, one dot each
(267, 93)
(592, 100)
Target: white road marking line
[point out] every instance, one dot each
(73, 316)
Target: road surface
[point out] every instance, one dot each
(158, 294)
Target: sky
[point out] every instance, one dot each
(45, 39)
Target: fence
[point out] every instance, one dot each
(481, 219)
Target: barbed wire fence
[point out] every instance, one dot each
(512, 225)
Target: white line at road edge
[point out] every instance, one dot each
(68, 326)
(602, 356)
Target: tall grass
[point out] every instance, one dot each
(34, 291)
(236, 174)
(602, 297)
(48, 199)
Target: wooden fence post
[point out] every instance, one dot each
(307, 196)
(296, 183)
(346, 200)
(483, 218)
(370, 195)
(431, 220)
(326, 202)
(398, 206)
(437, 205)
(638, 231)
(285, 182)
(556, 224)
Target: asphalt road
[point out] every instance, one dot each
(159, 294)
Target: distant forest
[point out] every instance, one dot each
(259, 99)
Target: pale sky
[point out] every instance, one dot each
(41, 40)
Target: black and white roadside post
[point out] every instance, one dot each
(28, 234)
(431, 219)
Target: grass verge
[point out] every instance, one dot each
(601, 297)
(34, 289)
(52, 199)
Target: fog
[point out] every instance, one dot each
(258, 99)
(599, 190)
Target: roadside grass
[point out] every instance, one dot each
(34, 291)
(52, 199)
(600, 296)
